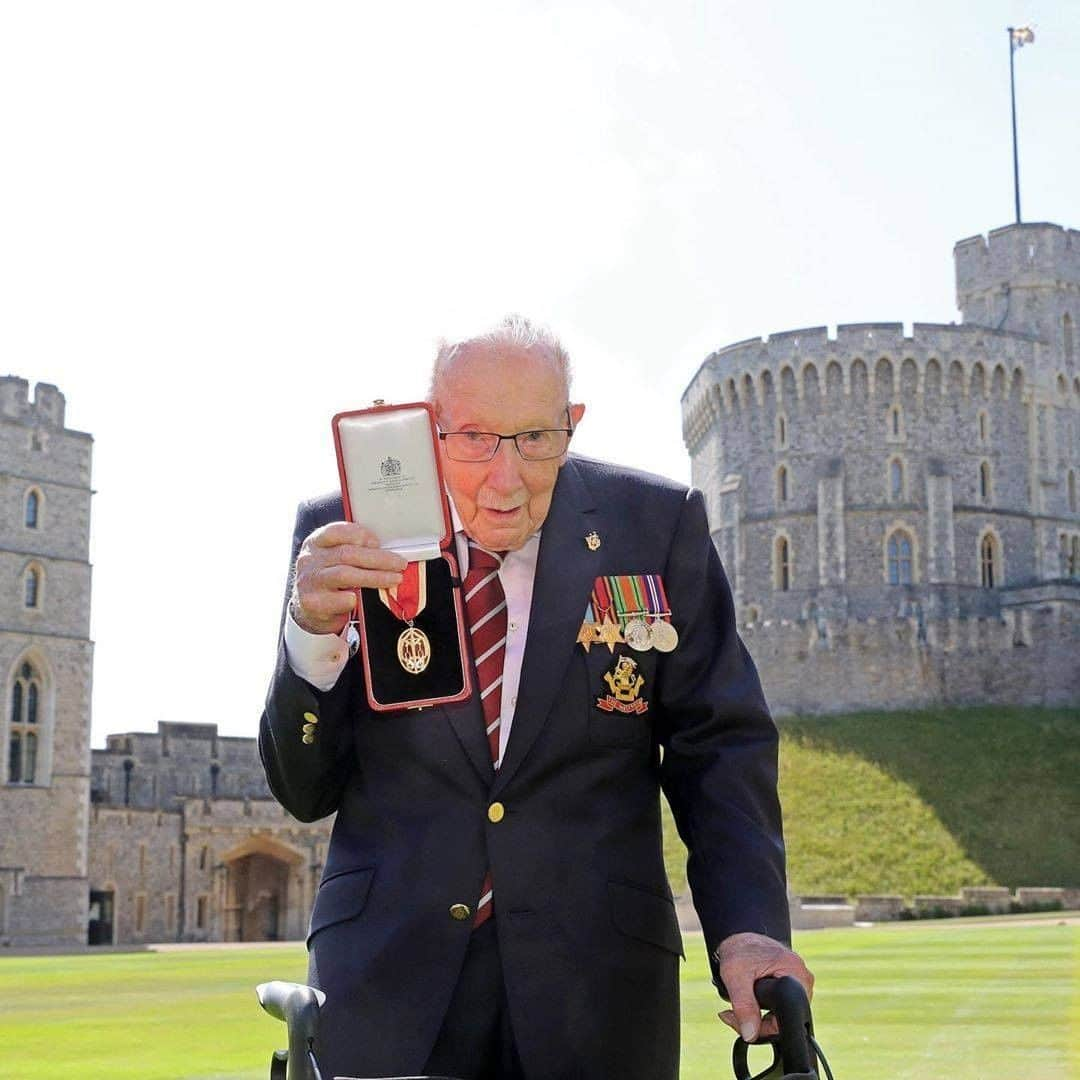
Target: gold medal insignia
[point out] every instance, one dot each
(413, 650)
(592, 540)
(407, 601)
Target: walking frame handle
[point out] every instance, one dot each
(298, 1007)
(793, 1051)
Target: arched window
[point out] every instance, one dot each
(32, 587)
(898, 558)
(24, 727)
(33, 505)
(782, 484)
(781, 432)
(896, 479)
(984, 481)
(782, 564)
(984, 425)
(989, 562)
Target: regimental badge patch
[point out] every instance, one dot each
(626, 685)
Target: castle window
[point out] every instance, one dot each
(781, 432)
(782, 484)
(895, 423)
(24, 727)
(899, 561)
(984, 481)
(140, 913)
(1070, 483)
(200, 913)
(215, 772)
(1074, 570)
(203, 857)
(170, 913)
(33, 505)
(896, 479)
(782, 564)
(989, 561)
(984, 426)
(1067, 336)
(32, 587)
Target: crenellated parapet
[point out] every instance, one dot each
(46, 409)
(1023, 277)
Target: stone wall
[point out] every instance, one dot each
(43, 842)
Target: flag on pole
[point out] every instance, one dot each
(1021, 36)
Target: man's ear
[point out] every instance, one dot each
(576, 413)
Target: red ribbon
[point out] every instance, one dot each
(404, 601)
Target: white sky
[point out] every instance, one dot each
(220, 223)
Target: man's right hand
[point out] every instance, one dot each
(334, 561)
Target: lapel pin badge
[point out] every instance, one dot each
(592, 540)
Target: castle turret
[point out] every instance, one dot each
(1024, 278)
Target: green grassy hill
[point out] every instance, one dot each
(926, 802)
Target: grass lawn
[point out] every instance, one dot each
(921, 1000)
(926, 802)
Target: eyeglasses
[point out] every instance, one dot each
(539, 445)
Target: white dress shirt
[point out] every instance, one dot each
(320, 658)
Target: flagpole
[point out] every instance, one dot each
(1012, 91)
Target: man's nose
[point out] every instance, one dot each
(504, 471)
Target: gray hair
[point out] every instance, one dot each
(513, 330)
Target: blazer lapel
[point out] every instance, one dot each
(467, 721)
(565, 572)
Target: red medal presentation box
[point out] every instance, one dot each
(412, 638)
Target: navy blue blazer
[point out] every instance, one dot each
(583, 910)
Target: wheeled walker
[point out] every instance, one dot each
(795, 1052)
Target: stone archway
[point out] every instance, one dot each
(257, 894)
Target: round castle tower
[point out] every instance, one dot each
(899, 516)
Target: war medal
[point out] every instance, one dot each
(406, 601)
(636, 632)
(665, 637)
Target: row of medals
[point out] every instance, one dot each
(414, 648)
(642, 636)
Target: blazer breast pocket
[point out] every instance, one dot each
(340, 898)
(619, 686)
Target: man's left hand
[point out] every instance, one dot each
(745, 958)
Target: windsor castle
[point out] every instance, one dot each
(898, 516)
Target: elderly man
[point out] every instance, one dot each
(508, 915)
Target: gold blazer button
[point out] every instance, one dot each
(496, 812)
(460, 912)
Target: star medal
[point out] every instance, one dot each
(406, 601)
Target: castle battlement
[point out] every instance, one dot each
(47, 407)
(1035, 253)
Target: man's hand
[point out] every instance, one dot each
(334, 561)
(745, 958)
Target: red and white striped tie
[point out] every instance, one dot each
(485, 609)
